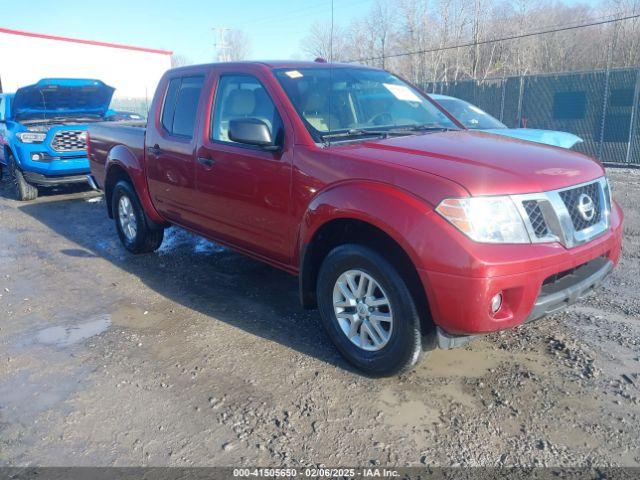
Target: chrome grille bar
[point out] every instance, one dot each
(559, 212)
(69, 141)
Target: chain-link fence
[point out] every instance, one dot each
(601, 107)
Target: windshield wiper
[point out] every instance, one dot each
(426, 128)
(357, 132)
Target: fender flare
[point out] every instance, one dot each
(374, 203)
(400, 215)
(123, 158)
(9, 149)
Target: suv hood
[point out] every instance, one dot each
(550, 137)
(482, 163)
(61, 96)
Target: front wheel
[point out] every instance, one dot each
(137, 233)
(368, 311)
(23, 191)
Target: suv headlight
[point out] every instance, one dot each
(485, 219)
(31, 137)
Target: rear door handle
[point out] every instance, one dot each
(155, 150)
(207, 162)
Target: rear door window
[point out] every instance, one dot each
(181, 105)
(170, 104)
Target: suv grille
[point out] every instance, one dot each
(585, 194)
(535, 216)
(570, 216)
(69, 141)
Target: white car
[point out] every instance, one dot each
(475, 118)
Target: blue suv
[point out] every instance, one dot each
(43, 131)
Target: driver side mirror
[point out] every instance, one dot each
(252, 131)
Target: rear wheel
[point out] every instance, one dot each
(23, 191)
(368, 311)
(137, 233)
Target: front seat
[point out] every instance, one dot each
(316, 112)
(239, 104)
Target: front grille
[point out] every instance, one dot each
(536, 218)
(69, 141)
(570, 216)
(572, 199)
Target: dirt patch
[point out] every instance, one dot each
(196, 355)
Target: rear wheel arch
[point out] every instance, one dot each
(115, 173)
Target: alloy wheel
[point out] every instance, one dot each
(363, 310)
(127, 218)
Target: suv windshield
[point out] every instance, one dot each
(358, 101)
(469, 115)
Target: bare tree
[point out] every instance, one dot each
(440, 30)
(321, 43)
(238, 46)
(180, 61)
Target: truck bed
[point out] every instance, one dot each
(103, 137)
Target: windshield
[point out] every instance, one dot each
(360, 100)
(470, 115)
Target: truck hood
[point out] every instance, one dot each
(52, 97)
(549, 137)
(482, 163)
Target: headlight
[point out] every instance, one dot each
(485, 219)
(31, 137)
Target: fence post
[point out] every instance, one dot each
(634, 114)
(603, 119)
(520, 95)
(504, 88)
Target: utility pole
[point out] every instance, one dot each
(220, 43)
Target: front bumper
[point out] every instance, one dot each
(46, 180)
(529, 283)
(51, 163)
(554, 296)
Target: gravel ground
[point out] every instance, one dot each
(198, 356)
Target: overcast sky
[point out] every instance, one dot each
(275, 27)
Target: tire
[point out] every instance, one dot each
(400, 341)
(146, 236)
(23, 191)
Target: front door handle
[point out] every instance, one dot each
(207, 162)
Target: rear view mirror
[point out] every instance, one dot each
(251, 131)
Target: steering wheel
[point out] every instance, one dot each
(383, 118)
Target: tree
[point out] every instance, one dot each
(321, 44)
(238, 45)
(453, 38)
(179, 61)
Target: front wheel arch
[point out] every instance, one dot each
(351, 231)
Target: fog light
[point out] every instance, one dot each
(36, 157)
(496, 302)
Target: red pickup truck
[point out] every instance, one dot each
(405, 229)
